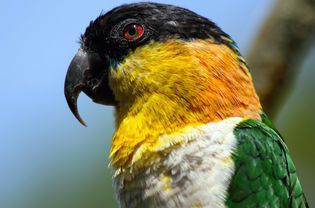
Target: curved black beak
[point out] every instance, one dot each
(75, 82)
(88, 72)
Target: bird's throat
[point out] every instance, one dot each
(138, 129)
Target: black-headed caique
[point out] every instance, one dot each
(190, 130)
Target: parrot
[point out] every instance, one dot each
(189, 127)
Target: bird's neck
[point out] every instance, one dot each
(140, 126)
(220, 88)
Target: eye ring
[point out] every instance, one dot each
(133, 32)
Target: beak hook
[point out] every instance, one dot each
(72, 102)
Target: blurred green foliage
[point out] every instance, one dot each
(296, 122)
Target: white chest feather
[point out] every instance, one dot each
(195, 172)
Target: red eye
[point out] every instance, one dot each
(133, 32)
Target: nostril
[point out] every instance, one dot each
(93, 84)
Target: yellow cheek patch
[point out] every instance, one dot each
(156, 67)
(163, 87)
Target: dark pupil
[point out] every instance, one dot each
(132, 30)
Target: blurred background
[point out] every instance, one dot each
(47, 159)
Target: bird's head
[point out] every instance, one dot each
(161, 59)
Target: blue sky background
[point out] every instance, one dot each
(47, 159)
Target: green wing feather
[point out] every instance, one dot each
(265, 175)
